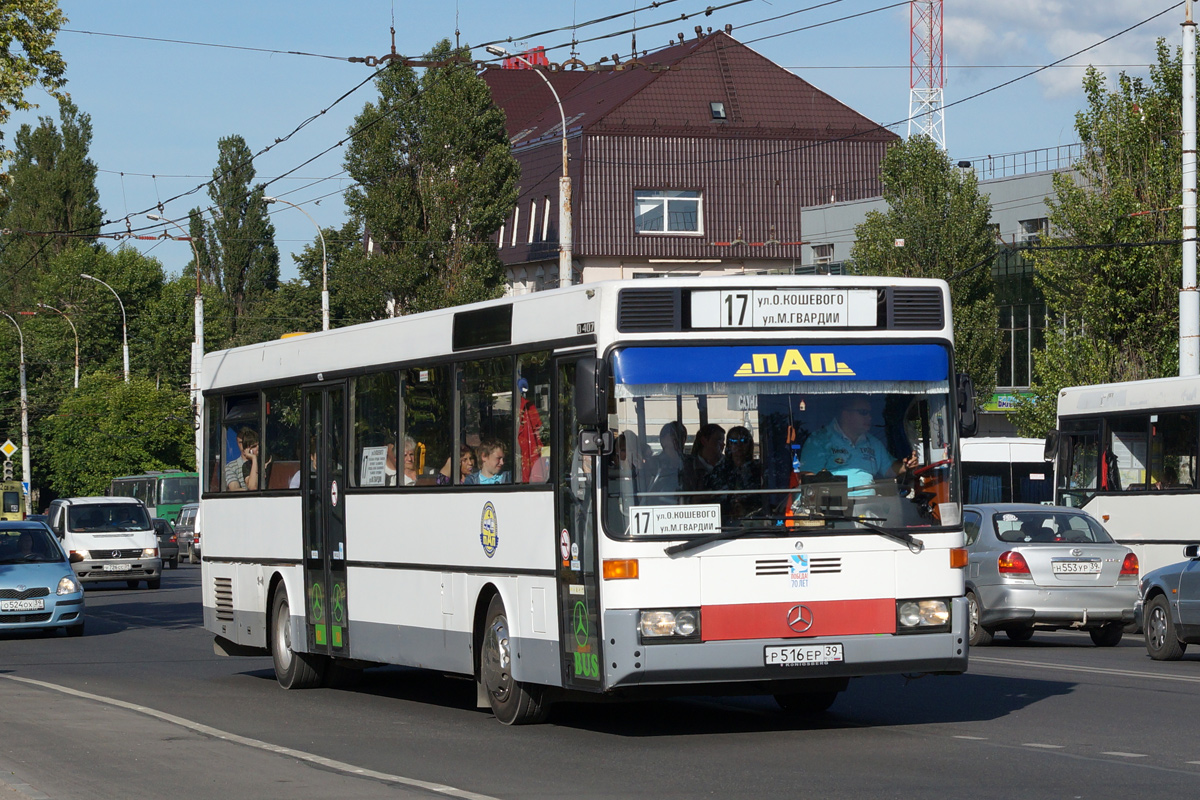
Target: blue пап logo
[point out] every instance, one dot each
(489, 530)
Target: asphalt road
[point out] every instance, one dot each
(141, 707)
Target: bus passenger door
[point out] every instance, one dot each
(324, 487)
(578, 589)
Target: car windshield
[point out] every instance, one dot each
(26, 545)
(1041, 527)
(180, 490)
(107, 517)
(780, 438)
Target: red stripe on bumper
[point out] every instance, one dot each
(770, 620)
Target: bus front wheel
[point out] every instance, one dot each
(513, 702)
(293, 670)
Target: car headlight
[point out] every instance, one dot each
(670, 624)
(68, 585)
(924, 616)
(150, 552)
(83, 555)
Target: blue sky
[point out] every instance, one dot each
(158, 108)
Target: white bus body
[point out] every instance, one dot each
(1127, 454)
(999, 469)
(322, 543)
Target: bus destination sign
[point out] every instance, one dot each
(784, 308)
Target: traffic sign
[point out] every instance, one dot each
(8, 448)
(25, 488)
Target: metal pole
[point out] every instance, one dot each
(324, 268)
(197, 342)
(74, 331)
(124, 327)
(26, 472)
(565, 270)
(1189, 299)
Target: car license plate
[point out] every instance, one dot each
(23, 605)
(801, 655)
(117, 567)
(1075, 567)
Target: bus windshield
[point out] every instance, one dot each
(821, 437)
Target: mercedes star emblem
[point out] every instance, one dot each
(799, 618)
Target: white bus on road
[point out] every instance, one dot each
(1126, 452)
(1002, 469)
(534, 492)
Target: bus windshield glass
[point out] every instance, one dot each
(178, 491)
(782, 438)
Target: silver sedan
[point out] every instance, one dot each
(1046, 567)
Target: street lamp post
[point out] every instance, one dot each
(72, 324)
(324, 269)
(197, 339)
(26, 472)
(124, 327)
(564, 182)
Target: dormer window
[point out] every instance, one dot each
(718, 110)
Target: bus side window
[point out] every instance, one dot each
(281, 442)
(427, 423)
(376, 402)
(242, 446)
(1173, 441)
(531, 464)
(487, 419)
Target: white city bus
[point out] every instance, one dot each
(341, 527)
(1126, 452)
(1003, 469)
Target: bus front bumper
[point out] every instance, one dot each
(628, 662)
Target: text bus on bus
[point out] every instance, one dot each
(162, 492)
(1126, 452)
(498, 490)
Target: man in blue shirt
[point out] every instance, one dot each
(845, 447)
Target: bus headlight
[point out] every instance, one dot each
(922, 616)
(677, 624)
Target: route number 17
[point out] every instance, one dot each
(736, 306)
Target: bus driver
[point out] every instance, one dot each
(845, 447)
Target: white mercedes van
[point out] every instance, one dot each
(108, 539)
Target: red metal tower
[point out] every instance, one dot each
(926, 71)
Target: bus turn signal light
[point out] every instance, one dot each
(620, 569)
(958, 557)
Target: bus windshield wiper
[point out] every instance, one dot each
(907, 539)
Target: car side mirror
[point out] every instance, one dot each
(1192, 551)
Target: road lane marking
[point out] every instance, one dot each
(1122, 755)
(972, 738)
(216, 733)
(1098, 670)
(1043, 746)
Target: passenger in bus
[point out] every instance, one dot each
(528, 431)
(491, 464)
(667, 473)
(706, 452)
(845, 447)
(737, 470)
(390, 467)
(410, 462)
(241, 474)
(466, 465)
(1169, 479)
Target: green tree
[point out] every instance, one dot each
(938, 211)
(436, 178)
(1114, 300)
(110, 428)
(52, 188)
(27, 32)
(238, 247)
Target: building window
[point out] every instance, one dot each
(661, 211)
(532, 219)
(822, 253)
(546, 217)
(1034, 229)
(718, 110)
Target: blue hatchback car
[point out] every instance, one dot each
(38, 588)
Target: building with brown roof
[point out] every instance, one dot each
(696, 159)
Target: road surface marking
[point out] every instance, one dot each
(1098, 670)
(972, 738)
(1043, 746)
(1123, 755)
(216, 733)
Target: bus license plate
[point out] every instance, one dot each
(23, 605)
(801, 655)
(1075, 567)
(117, 567)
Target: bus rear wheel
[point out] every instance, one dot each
(513, 702)
(293, 670)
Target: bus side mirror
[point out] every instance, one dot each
(1053, 443)
(968, 420)
(595, 443)
(591, 407)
